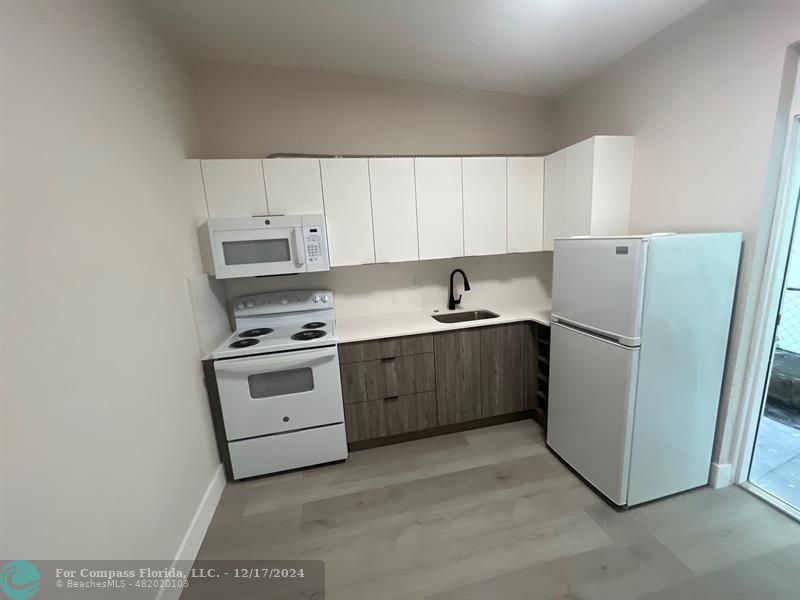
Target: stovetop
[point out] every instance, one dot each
(280, 321)
(283, 337)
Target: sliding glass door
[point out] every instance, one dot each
(775, 466)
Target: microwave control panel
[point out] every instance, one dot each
(316, 252)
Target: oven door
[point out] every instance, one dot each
(273, 393)
(253, 252)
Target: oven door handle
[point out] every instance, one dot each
(275, 362)
(299, 250)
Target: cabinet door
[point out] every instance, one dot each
(525, 206)
(502, 369)
(484, 205)
(457, 356)
(394, 209)
(293, 186)
(439, 207)
(234, 188)
(553, 224)
(611, 185)
(348, 211)
(578, 173)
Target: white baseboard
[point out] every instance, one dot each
(190, 545)
(721, 475)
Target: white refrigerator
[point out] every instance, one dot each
(638, 343)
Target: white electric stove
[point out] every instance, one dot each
(277, 400)
(279, 321)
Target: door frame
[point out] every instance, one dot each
(765, 322)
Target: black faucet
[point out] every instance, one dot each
(451, 301)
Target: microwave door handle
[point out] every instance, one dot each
(299, 250)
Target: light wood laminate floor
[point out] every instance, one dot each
(491, 513)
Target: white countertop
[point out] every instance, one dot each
(359, 329)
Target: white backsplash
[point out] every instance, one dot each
(368, 290)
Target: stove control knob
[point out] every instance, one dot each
(284, 301)
(315, 298)
(250, 304)
(325, 297)
(240, 306)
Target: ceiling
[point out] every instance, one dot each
(536, 47)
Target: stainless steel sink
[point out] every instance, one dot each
(466, 315)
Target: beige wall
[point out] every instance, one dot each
(254, 111)
(106, 441)
(701, 97)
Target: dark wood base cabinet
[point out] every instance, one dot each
(407, 387)
(506, 369)
(458, 375)
(390, 416)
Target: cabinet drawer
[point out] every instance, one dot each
(385, 417)
(388, 348)
(378, 379)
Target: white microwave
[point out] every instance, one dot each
(255, 246)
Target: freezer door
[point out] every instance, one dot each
(598, 285)
(590, 414)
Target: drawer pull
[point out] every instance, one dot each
(395, 397)
(388, 358)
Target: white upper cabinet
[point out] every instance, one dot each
(405, 209)
(578, 173)
(525, 206)
(611, 184)
(588, 188)
(394, 209)
(553, 224)
(484, 190)
(234, 188)
(293, 186)
(439, 207)
(348, 211)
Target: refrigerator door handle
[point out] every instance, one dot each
(619, 341)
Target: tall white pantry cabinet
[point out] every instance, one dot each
(587, 188)
(398, 209)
